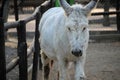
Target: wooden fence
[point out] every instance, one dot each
(22, 51)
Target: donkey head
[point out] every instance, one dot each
(77, 25)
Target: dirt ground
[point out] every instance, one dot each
(102, 62)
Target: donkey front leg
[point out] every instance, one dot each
(62, 69)
(79, 69)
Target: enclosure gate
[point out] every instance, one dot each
(22, 45)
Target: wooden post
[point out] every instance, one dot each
(36, 50)
(2, 44)
(118, 15)
(22, 51)
(2, 52)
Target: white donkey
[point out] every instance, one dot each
(64, 37)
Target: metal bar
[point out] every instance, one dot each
(118, 15)
(2, 44)
(22, 51)
(2, 8)
(16, 10)
(37, 49)
(2, 52)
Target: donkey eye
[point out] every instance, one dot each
(69, 29)
(84, 29)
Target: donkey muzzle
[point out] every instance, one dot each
(77, 53)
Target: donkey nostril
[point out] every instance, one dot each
(77, 53)
(73, 52)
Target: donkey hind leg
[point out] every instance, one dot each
(46, 71)
(45, 67)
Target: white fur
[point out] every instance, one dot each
(60, 34)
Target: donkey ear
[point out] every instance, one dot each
(90, 5)
(67, 8)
